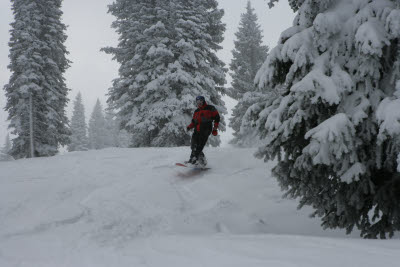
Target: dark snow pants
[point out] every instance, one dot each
(199, 140)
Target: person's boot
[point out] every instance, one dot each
(192, 160)
(202, 160)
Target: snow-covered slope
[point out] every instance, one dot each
(133, 207)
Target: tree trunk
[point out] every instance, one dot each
(32, 150)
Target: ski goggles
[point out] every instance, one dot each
(199, 102)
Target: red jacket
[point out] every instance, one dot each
(203, 118)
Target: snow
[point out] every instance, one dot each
(353, 173)
(370, 38)
(133, 207)
(330, 140)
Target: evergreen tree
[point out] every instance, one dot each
(79, 140)
(167, 56)
(36, 92)
(97, 134)
(248, 56)
(334, 126)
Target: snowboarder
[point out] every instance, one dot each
(202, 122)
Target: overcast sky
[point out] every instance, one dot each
(89, 30)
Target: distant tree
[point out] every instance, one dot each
(111, 129)
(97, 135)
(167, 52)
(36, 92)
(6, 149)
(248, 56)
(79, 139)
(334, 125)
(124, 138)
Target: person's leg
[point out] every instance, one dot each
(202, 141)
(194, 146)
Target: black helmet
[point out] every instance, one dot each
(200, 98)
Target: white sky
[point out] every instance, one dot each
(89, 30)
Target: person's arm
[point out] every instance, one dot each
(192, 124)
(216, 119)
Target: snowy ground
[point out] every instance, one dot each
(133, 207)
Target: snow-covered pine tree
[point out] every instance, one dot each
(97, 126)
(334, 128)
(248, 56)
(167, 56)
(36, 92)
(79, 139)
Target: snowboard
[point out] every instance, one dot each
(194, 167)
